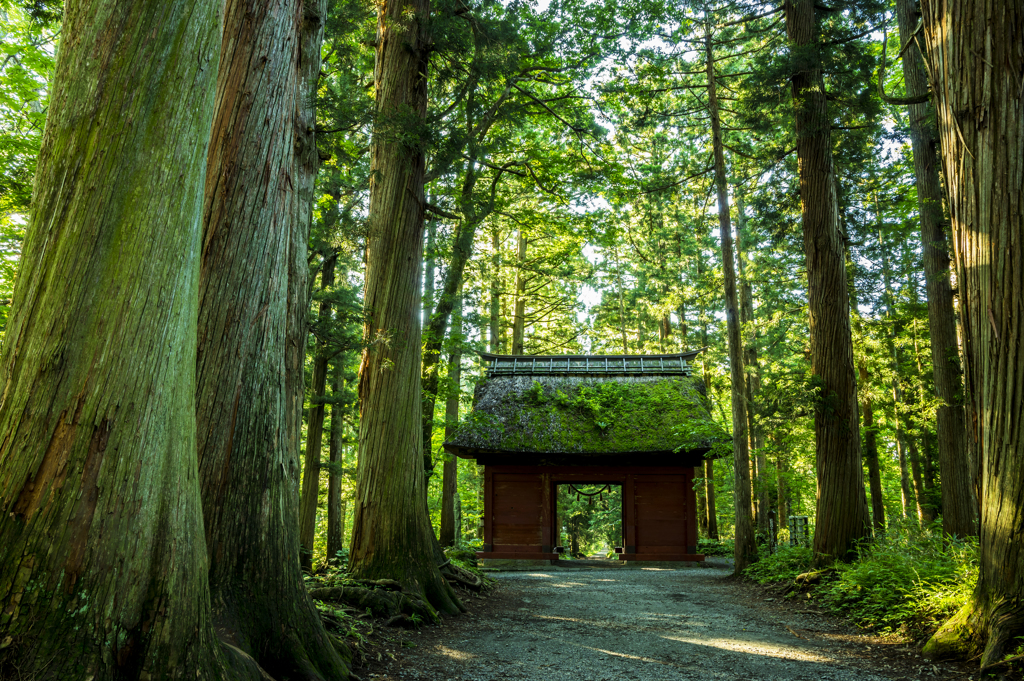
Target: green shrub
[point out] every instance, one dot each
(716, 547)
(907, 579)
(783, 565)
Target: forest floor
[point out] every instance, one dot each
(642, 625)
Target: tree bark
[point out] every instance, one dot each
(495, 309)
(976, 55)
(519, 316)
(450, 472)
(910, 465)
(841, 518)
(391, 537)
(709, 473)
(871, 451)
(315, 427)
(752, 372)
(247, 471)
(959, 504)
(102, 559)
(336, 476)
(745, 548)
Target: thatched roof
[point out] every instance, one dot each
(583, 415)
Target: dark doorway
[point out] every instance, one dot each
(588, 520)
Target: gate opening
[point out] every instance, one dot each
(589, 520)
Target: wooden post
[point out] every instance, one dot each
(691, 511)
(629, 517)
(488, 509)
(547, 516)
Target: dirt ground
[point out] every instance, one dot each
(642, 624)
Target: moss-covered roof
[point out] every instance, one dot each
(582, 415)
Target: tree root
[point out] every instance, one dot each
(455, 574)
(384, 598)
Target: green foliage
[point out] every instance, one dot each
(589, 519)
(908, 579)
(784, 564)
(716, 547)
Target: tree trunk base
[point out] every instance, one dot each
(988, 629)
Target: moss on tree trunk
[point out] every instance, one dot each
(102, 560)
(976, 62)
(247, 471)
(391, 536)
(842, 516)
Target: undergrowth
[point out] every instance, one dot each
(907, 581)
(716, 547)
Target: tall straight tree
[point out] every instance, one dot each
(976, 59)
(959, 504)
(102, 559)
(745, 551)
(841, 517)
(391, 534)
(449, 530)
(310, 497)
(247, 472)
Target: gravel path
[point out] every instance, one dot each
(640, 624)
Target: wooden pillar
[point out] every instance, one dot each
(629, 517)
(547, 521)
(690, 495)
(488, 509)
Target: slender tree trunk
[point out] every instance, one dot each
(428, 272)
(246, 470)
(103, 572)
(910, 466)
(746, 549)
(959, 504)
(842, 516)
(495, 310)
(783, 491)
(976, 65)
(702, 505)
(315, 427)
(391, 537)
(752, 371)
(519, 316)
(709, 493)
(867, 413)
(871, 451)
(336, 477)
(622, 301)
(450, 480)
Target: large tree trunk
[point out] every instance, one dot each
(842, 516)
(246, 470)
(309, 500)
(391, 536)
(959, 505)
(745, 548)
(336, 476)
(976, 55)
(450, 474)
(102, 558)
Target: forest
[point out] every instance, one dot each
(250, 249)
